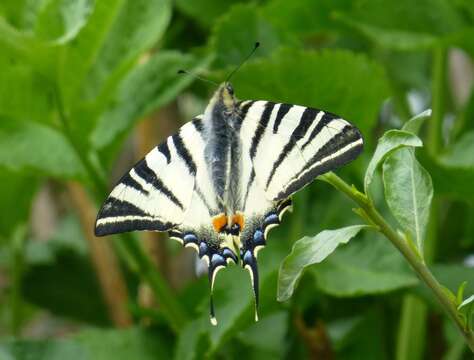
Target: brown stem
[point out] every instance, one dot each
(105, 262)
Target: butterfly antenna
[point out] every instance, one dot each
(197, 77)
(257, 44)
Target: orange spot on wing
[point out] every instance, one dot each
(238, 219)
(218, 222)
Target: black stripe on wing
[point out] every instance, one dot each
(183, 152)
(328, 158)
(282, 111)
(148, 175)
(128, 180)
(114, 208)
(299, 132)
(263, 122)
(131, 225)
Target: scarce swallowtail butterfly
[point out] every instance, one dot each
(226, 178)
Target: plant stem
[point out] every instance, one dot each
(17, 268)
(399, 242)
(433, 142)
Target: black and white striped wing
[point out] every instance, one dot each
(284, 148)
(157, 192)
(290, 145)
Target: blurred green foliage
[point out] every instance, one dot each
(76, 76)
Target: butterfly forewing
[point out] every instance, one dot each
(156, 193)
(295, 144)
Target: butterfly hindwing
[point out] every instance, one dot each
(285, 147)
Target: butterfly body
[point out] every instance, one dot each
(226, 178)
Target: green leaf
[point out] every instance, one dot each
(305, 17)
(12, 40)
(267, 334)
(318, 79)
(359, 342)
(81, 53)
(190, 340)
(59, 276)
(393, 39)
(408, 192)
(17, 193)
(33, 147)
(437, 17)
(365, 267)
(414, 124)
(392, 140)
(453, 274)
(139, 26)
(205, 12)
(24, 94)
(145, 89)
(453, 181)
(308, 251)
(459, 155)
(59, 21)
(466, 302)
(235, 34)
(460, 293)
(92, 344)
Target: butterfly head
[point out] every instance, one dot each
(226, 96)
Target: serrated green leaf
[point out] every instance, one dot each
(139, 26)
(408, 192)
(205, 12)
(59, 21)
(414, 124)
(392, 140)
(30, 146)
(308, 251)
(368, 266)
(318, 79)
(235, 34)
(145, 89)
(305, 17)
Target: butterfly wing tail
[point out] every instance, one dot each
(249, 262)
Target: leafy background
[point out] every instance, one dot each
(88, 87)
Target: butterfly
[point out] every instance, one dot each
(226, 178)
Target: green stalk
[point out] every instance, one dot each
(373, 216)
(17, 249)
(412, 330)
(132, 251)
(434, 138)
